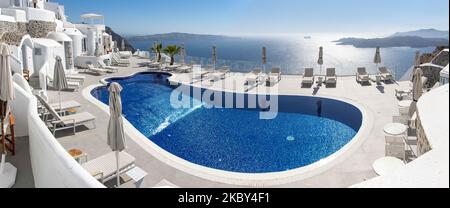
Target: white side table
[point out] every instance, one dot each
(395, 129)
(387, 165)
(137, 175)
(404, 106)
(8, 177)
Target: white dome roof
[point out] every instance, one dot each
(59, 36)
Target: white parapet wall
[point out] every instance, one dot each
(52, 166)
(40, 15)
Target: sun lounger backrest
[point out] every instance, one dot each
(90, 66)
(276, 70)
(48, 107)
(331, 72)
(196, 68)
(101, 63)
(383, 70)
(257, 71)
(362, 71)
(309, 72)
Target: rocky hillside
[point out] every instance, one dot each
(433, 73)
(116, 37)
(427, 57)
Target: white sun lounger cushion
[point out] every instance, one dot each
(107, 166)
(76, 119)
(65, 105)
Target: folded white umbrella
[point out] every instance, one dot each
(418, 85)
(116, 135)
(214, 57)
(6, 93)
(59, 78)
(320, 60)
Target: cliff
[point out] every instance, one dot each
(116, 37)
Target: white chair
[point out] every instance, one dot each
(362, 75)
(220, 74)
(274, 76)
(253, 77)
(331, 77)
(385, 74)
(198, 73)
(308, 77)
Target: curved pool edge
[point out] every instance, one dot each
(243, 179)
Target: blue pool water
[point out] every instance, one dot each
(236, 139)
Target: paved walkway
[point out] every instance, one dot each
(378, 100)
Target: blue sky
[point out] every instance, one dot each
(237, 17)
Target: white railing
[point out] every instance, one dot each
(52, 166)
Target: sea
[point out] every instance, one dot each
(292, 53)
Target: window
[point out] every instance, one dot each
(84, 46)
(38, 51)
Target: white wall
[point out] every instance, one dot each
(40, 14)
(52, 166)
(48, 55)
(18, 14)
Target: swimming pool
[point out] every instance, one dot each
(236, 140)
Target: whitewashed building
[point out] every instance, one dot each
(28, 27)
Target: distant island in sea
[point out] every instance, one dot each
(176, 36)
(414, 39)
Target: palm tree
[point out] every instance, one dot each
(172, 50)
(157, 48)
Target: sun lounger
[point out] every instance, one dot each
(362, 75)
(308, 77)
(386, 74)
(109, 68)
(116, 60)
(404, 92)
(72, 85)
(253, 77)
(274, 76)
(75, 78)
(63, 107)
(220, 74)
(198, 73)
(66, 122)
(104, 168)
(331, 77)
(96, 70)
(125, 54)
(184, 69)
(154, 64)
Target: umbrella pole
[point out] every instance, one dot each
(60, 103)
(117, 163)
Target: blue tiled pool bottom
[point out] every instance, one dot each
(230, 139)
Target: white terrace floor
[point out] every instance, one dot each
(378, 100)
